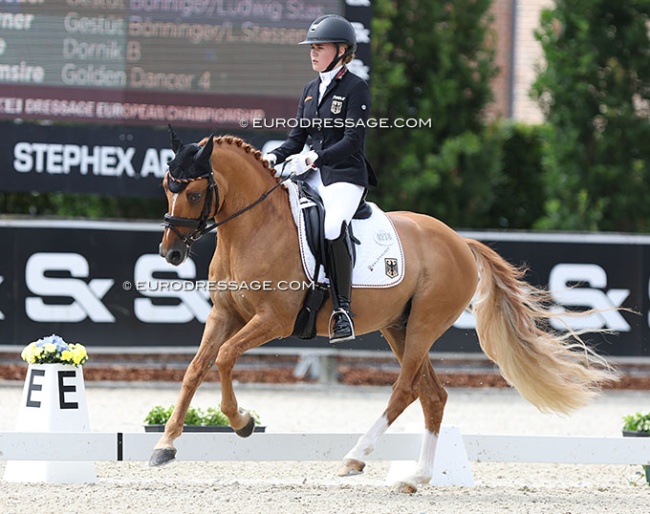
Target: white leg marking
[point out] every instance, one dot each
(366, 443)
(424, 471)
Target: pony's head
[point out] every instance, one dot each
(192, 197)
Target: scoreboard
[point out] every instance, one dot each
(188, 62)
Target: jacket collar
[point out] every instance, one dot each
(334, 76)
(328, 76)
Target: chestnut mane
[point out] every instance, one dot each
(246, 147)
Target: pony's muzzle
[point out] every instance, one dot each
(174, 255)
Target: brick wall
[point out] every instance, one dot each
(501, 12)
(512, 85)
(528, 56)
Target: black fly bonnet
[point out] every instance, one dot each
(191, 162)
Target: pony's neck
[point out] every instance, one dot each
(242, 179)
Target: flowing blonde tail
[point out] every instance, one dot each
(554, 372)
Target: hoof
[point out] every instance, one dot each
(351, 467)
(248, 429)
(405, 488)
(161, 456)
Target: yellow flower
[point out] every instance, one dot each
(28, 353)
(79, 354)
(43, 351)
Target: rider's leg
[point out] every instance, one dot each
(341, 200)
(339, 271)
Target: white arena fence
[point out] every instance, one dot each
(119, 446)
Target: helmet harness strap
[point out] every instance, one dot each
(338, 58)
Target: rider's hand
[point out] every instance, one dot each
(311, 158)
(297, 165)
(271, 158)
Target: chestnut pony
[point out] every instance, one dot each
(223, 181)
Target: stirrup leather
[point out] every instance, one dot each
(341, 339)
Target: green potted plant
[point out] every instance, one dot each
(196, 420)
(638, 425)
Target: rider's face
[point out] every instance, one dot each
(322, 55)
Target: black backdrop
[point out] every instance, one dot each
(109, 160)
(69, 278)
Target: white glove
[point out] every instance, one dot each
(297, 164)
(271, 158)
(311, 158)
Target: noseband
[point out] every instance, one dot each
(200, 224)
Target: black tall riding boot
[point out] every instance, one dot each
(339, 270)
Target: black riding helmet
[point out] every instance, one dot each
(332, 28)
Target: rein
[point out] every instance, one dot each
(201, 225)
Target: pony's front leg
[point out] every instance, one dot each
(255, 333)
(215, 332)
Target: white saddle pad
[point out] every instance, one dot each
(380, 259)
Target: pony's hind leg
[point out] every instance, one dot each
(411, 344)
(354, 460)
(433, 399)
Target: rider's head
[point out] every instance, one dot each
(335, 30)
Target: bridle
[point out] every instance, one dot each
(202, 225)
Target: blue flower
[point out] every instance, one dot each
(55, 340)
(53, 349)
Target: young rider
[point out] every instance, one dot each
(333, 111)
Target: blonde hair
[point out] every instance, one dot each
(348, 58)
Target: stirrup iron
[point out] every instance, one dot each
(329, 327)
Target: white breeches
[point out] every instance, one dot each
(341, 200)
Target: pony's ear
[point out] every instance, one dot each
(176, 142)
(203, 155)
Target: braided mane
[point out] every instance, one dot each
(185, 167)
(246, 147)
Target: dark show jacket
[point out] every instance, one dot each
(335, 129)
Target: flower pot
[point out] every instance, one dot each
(632, 433)
(200, 428)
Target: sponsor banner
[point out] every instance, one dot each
(120, 161)
(104, 284)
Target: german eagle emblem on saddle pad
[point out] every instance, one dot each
(379, 256)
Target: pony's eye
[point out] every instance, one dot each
(194, 197)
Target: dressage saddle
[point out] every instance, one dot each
(313, 212)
